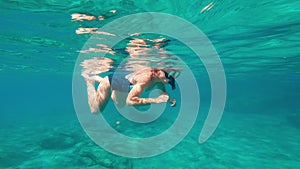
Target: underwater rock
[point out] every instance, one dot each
(13, 158)
(58, 142)
(91, 155)
(123, 164)
(85, 161)
(105, 163)
(90, 158)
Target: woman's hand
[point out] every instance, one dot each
(173, 102)
(163, 98)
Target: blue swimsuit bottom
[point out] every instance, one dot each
(119, 82)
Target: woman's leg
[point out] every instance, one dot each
(98, 98)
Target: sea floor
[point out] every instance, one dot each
(240, 141)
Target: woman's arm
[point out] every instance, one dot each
(161, 86)
(133, 97)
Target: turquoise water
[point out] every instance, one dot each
(257, 41)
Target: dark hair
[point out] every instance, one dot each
(171, 79)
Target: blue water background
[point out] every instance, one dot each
(258, 43)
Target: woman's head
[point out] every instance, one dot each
(171, 79)
(165, 77)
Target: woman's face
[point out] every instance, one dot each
(162, 76)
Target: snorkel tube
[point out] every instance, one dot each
(171, 79)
